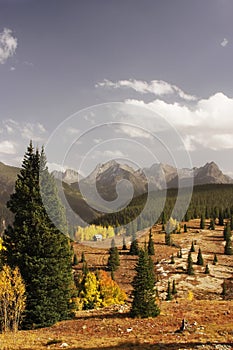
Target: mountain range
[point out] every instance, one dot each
(105, 178)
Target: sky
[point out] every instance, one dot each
(139, 81)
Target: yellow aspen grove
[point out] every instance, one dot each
(12, 298)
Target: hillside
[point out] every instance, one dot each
(198, 301)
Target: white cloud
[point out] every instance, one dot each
(156, 87)
(224, 42)
(72, 131)
(207, 124)
(7, 147)
(12, 69)
(31, 131)
(134, 131)
(8, 45)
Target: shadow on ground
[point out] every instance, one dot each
(161, 346)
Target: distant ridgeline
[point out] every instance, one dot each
(211, 201)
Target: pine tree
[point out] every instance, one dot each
(124, 247)
(220, 218)
(200, 260)
(207, 270)
(227, 231)
(168, 240)
(215, 260)
(231, 221)
(179, 254)
(202, 222)
(224, 289)
(83, 258)
(185, 228)
(172, 259)
(113, 259)
(228, 250)
(174, 291)
(34, 244)
(151, 248)
(169, 292)
(192, 249)
(190, 270)
(75, 260)
(212, 224)
(144, 304)
(134, 249)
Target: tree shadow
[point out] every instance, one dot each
(157, 346)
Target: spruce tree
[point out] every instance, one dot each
(113, 259)
(228, 250)
(207, 270)
(124, 247)
(172, 259)
(83, 258)
(227, 231)
(174, 291)
(168, 240)
(202, 222)
(215, 260)
(151, 248)
(144, 304)
(192, 249)
(220, 218)
(134, 249)
(190, 270)
(231, 221)
(75, 260)
(200, 260)
(224, 289)
(169, 292)
(212, 224)
(34, 244)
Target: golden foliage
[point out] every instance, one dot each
(98, 290)
(12, 298)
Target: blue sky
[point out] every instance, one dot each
(171, 57)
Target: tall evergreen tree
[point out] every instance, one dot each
(34, 244)
(190, 270)
(192, 249)
(228, 250)
(231, 220)
(144, 304)
(168, 239)
(227, 231)
(221, 218)
(174, 291)
(207, 270)
(215, 260)
(212, 224)
(200, 260)
(202, 222)
(169, 292)
(124, 246)
(113, 259)
(151, 248)
(134, 249)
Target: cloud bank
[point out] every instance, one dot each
(206, 123)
